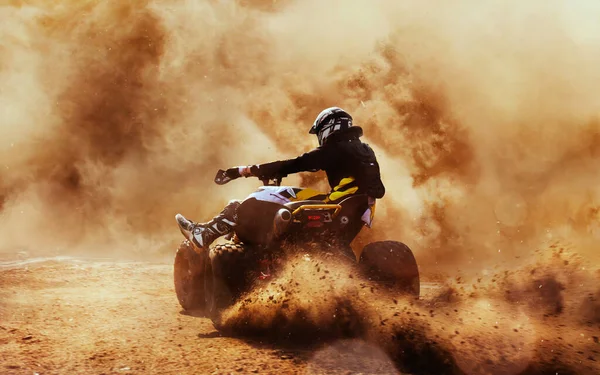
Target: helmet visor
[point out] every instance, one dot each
(324, 133)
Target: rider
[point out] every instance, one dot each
(350, 165)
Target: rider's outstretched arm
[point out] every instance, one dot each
(311, 161)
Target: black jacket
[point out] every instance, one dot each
(343, 155)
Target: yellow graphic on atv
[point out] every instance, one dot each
(287, 194)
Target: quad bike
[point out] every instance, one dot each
(276, 218)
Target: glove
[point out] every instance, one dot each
(224, 177)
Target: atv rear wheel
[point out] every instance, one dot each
(189, 277)
(227, 276)
(392, 264)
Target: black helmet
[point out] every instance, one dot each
(329, 121)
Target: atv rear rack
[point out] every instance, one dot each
(336, 207)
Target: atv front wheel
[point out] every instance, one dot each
(392, 264)
(189, 277)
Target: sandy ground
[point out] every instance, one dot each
(75, 317)
(93, 317)
(109, 318)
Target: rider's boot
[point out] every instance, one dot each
(202, 235)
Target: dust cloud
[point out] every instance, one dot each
(116, 115)
(534, 319)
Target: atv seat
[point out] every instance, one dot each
(294, 205)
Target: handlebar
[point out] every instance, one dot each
(276, 181)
